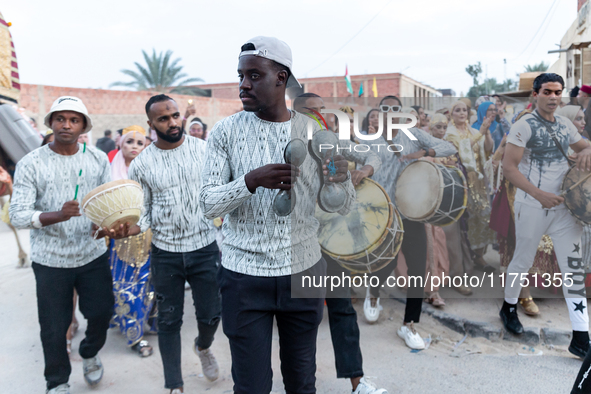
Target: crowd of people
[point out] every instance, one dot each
(134, 277)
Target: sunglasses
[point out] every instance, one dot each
(393, 108)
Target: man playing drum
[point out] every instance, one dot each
(183, 243)
(414, 243)
(48, 184)
(342, 317)
(535, 162)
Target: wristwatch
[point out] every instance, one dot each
(426, 152)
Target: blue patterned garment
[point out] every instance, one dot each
(133, 289)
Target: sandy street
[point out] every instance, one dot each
(476, 365)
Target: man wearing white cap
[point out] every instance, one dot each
(264, 253)
(48, 184)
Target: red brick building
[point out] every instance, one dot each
(396, 84)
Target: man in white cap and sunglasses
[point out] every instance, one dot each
(49, 183)
(263, 252)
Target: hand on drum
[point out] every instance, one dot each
(548, 200)
(123, 231)
(342, 167)
(69, 209)
(358, 175)
(583, 159)
(272, 176)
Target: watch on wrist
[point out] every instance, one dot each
(426, 152)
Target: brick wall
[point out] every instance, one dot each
(116, 109)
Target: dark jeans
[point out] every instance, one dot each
(344, 330)
(414, 247)
(169, 273)
(55, 292)
(249, 304)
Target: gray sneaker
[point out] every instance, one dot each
(209, 365)
(61, 389)
(93, 370)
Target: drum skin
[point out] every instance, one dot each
(369, 237)
(431, 193)
(578, 200)
(114, 203)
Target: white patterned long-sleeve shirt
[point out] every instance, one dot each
(171, 180)
(257, 241)
(43, 182)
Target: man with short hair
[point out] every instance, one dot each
(183, 243)
(48, 184)
(265, 254)
(106, 144)
(535, 162)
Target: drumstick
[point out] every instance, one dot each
(575, 185)
(79, 175)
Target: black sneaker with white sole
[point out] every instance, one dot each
(510, 319)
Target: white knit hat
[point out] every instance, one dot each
(69, 103)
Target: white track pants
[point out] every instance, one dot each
(530, 225)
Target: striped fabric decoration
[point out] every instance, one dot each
(9, 78)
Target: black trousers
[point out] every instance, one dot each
(249, 304)
(55, 291)
(583, 381)
(414, 247)
(169, 273)
(344, 330)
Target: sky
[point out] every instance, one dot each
(86, 43)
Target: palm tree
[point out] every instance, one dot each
(161, 75)
(537, 67)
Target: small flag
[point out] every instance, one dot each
(348, 81)
(374, 89)
(360, 90)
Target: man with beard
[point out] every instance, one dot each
(183, 243)
(265, 255)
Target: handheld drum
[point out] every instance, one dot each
(369, 237)
(576, 190)
(114, 203)
(431, 193)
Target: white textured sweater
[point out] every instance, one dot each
(43, 182)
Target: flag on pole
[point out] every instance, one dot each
(348, 81)
(360, 90)
(374, 89)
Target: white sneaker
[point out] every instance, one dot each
(209, 365)
(411, 337)
(372, 313)
(367, 387)
(61, 389)
(93, 370)
(176, 391)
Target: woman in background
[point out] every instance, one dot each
(130, 260)
(474, 147)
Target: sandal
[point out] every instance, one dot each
(435, 299)
(143, 348)
(529, 306)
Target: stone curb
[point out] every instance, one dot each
(476, 329)
(531, 336)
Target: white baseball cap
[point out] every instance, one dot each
(273, 49)
(69, 103)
